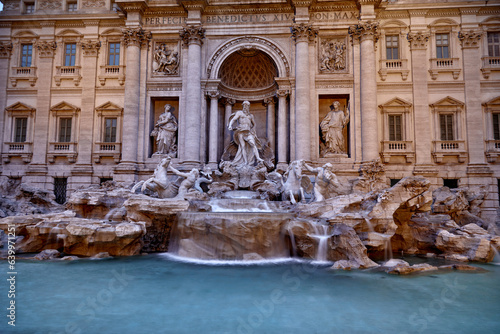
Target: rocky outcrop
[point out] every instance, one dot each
(21, 199)
(47, 254)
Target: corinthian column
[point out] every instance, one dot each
(269, 103)
(134, 39)
(367, 33)
(228, 110)
(213, 128)
(302, 34)
(282, 135)
(193, 36)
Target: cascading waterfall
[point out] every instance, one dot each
(321, 234)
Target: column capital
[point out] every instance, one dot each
(303, 32)
(228, 101)
(192, 34)
(364, 30)
(213, 94)
(469, 39)
(90, 47)
(5, 49)
(46, 49)
(135, 36)
(282, 93)
(418, 40)
(268, 100)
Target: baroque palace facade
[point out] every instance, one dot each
(83, 83)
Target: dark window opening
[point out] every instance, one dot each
(394, 181)
(450, 183)
(104, 179)
(60, 187)
(20, 132)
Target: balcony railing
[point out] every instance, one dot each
(398, 148)
(104, 149)
(490, 64)
(439, 65)
(393, 66)
(23, 73)
(444, 148)
(67, 72)
(68, 150)
(112, 72)
(492, 150)
(23, 150)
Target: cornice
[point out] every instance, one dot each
(443, 12)
(194, 4)
(247, 10)
(393, 14)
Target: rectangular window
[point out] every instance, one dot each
(395, 133)
(20, 129)
(496, 126)
(70, 54)
(110, 132)
(494, 44)
(65, 130)
(60, 188)
(450, 183)
(72, 7)
(114, 54)
(392, 46)
(446, 124)
(442, 45)
(26, 55)
(30, 7)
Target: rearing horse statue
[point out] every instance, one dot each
(295, 185)
(159, 183)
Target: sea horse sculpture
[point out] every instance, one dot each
(296, 185)
(159, 183)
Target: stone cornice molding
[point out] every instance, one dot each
(135, 36)
(194, 4)
(5, 49)
(46, 49)
(368, 2)
(192, 34)
(470, 39)
(365, 30)
(88, 23)
(303, 33)
(418, 40)
(90, 48)
(469, 10)
(133, 7)
(301, 3)
(418, 12)
(47, 23)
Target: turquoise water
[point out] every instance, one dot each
(154, 294)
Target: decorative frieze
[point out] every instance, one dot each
(418, 40)
(93, 3)
(90, 48)
(192, 34)
(5, 49)
(333, 55)
(365, 30)
(469, 39)
(135, 36)
(51, 4)
(11, 5)
(303, 33)
(46, 48)
(166, 59)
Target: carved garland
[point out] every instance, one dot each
(246, 40)
(470, 39)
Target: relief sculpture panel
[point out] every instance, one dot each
(166, 58)
(333, 55)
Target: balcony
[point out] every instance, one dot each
(112, 72)
(490, 64)
(492, 150)
(12, 149)
(68, 150)
(388, 66)
(68, 72)
(449, 148)
(23, 73)
(398, 148)
(101, 150)
(442, 65)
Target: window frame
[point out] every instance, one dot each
(71, 56)
(64, 125)
(448, 131)
(29, 7)
(69, 6)
(397, 48)
(23, 135)
(114, 54)
(113, 126)
(29, 56)
(442, 46)
(490, 44)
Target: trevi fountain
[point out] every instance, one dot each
(250, 248)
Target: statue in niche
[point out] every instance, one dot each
(165, 61)
(334, 56)
(326, 184)
(165, 130)
(243, 124)
(332, 130)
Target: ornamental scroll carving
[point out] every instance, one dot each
(418, 40)
(46, 49)
(135, 36)
(93, 3)
(165, 59)
(5, 49)
(51, 4)
(332, 55)
(192, 34)
(303, 32)
(90, 47)
(469, 39)
(365, 30)
(11, 5)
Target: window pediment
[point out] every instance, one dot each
(20, 107)
(396, 104)
(64, 107)
(448, 103)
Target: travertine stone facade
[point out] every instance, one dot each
(83, 85)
